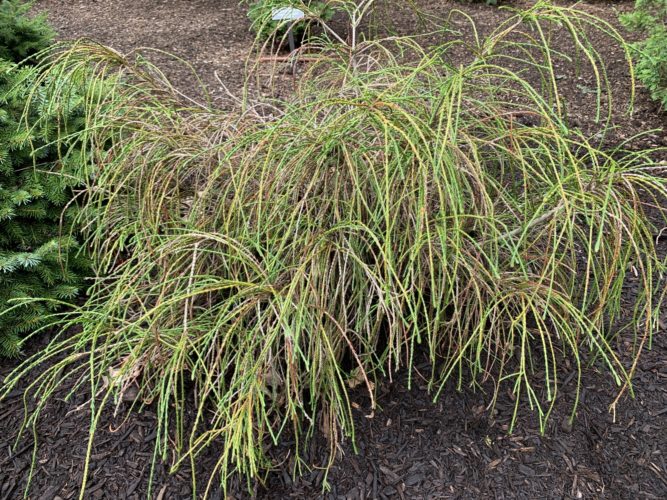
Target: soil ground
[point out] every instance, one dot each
(412, 447)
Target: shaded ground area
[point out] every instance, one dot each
(212, 35)
(412, 448)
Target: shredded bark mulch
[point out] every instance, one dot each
(410, 447)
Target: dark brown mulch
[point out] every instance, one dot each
(212, 35)
(412, 447)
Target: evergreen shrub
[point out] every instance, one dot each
(397, 212)
(650, 19)
(21, 37)
(39, 256)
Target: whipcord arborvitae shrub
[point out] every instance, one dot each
(396, 205)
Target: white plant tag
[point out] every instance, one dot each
(287, 14)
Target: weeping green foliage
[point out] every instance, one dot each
(38, 256)
(260, 264)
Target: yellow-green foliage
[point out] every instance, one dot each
(267, 262)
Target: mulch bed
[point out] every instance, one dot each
(411, 447)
